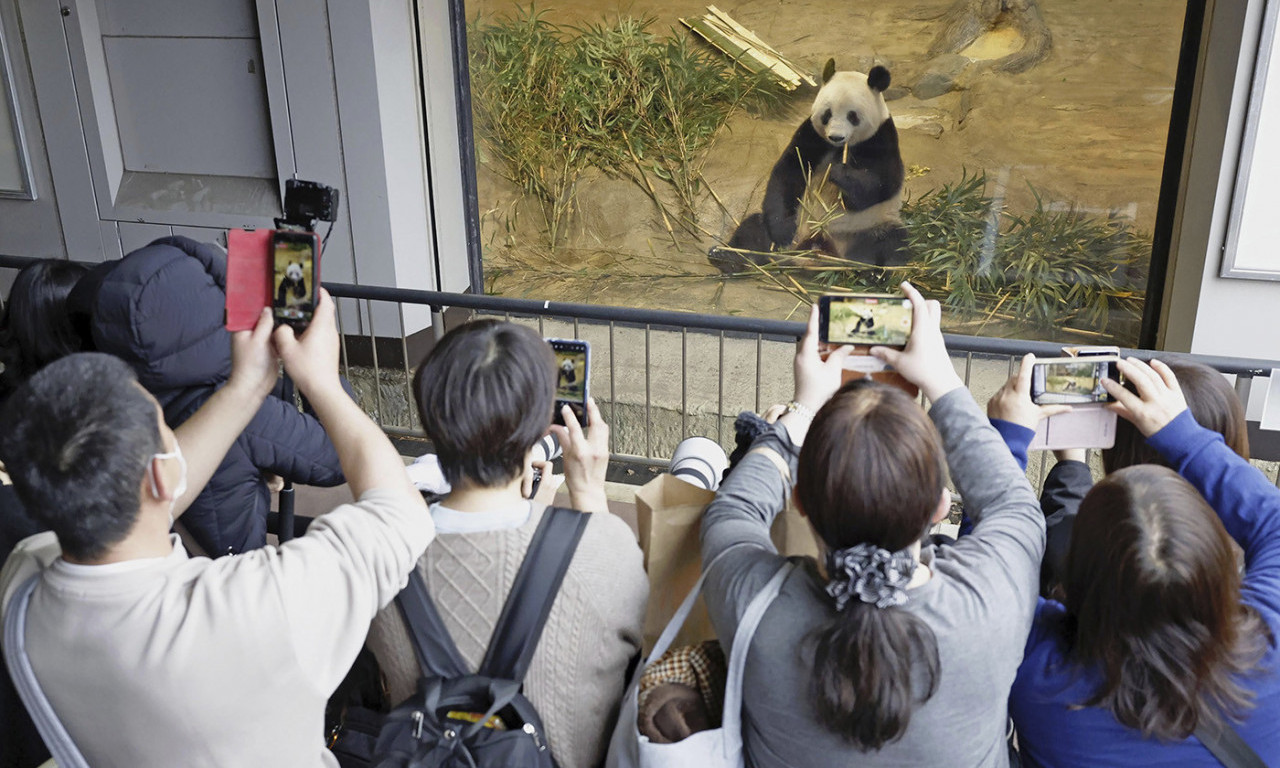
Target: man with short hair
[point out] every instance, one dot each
(150, 657)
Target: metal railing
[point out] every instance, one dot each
(720, 364)
(735, 337)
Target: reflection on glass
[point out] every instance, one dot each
(624, 159)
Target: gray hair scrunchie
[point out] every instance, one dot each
(873, 575)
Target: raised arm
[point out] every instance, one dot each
(1247, 503)
(354, 560)
(368, 459)
(1013, 413)
(206, 437)
(758, 488)
(1007, 526)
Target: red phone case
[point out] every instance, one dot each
(248, 277)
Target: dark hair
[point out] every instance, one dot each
(35, 329)
(1153, 603)
(872, 470)
(1212, 402)
(76, 439)
(485, 395)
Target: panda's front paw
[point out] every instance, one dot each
(858, 186)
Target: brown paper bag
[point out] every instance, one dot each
(669, 518)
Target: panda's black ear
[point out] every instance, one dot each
(878, 78)
(828, 70)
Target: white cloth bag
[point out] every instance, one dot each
(719, 747)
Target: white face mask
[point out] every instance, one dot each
(182, 478)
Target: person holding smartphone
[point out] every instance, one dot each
(161, 309)
(1015, 414)
(486, 393)
(888, 652)
(1161, 652)
(150, 657)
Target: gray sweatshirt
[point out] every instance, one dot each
(979, 604)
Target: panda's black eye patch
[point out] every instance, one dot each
(826, 116)
(853, 117)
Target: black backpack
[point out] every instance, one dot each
(459, 718)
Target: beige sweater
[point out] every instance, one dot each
(179, 661)
(576, 678)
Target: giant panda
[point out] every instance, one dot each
(848, 148)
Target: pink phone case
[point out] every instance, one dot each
(248, 277)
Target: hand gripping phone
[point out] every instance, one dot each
(1077, 382)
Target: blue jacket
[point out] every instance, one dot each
(161, 310)
(1052, 732)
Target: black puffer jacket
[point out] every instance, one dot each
(160, 309)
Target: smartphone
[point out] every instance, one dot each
(573, 371)
(864, 319)
(1073, 380)
(295, 276)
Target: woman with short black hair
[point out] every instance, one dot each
(486, 394)
(1160, 644)
(36, 328)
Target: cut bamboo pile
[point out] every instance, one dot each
(743, 46)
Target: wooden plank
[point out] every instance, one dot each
(777, 65)
(727, 46)
(752, 38)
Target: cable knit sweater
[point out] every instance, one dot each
(577, 675)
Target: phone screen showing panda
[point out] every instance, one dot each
(294, 278)
(865, 320)
(572, 372)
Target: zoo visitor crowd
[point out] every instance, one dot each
(1127, 622)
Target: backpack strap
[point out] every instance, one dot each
(525, 612)
(438, 655)
(1227, 745)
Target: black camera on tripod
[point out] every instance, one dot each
(305, 203)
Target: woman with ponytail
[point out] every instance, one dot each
(886, 653)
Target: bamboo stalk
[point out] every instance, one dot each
(776, 65)
(751, 37)
(652, 192)
(717, 37)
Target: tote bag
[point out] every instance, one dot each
(716, 748)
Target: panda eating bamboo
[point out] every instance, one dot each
(843, 159)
